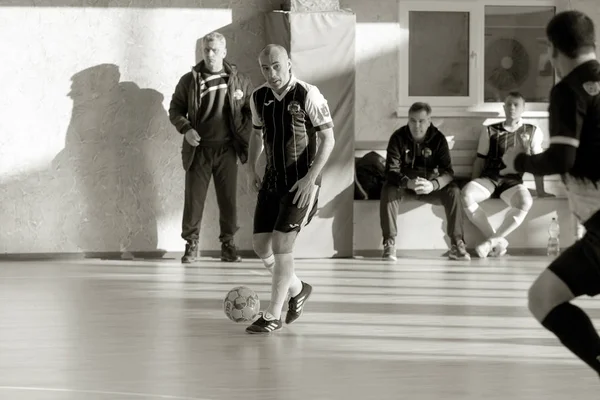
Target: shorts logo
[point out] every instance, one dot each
(592, 88)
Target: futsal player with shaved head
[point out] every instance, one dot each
(574, 153)
(293, 125)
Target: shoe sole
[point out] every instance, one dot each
(239, 259)
(299, 315)
(262, 333)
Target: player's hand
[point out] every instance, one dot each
(411, 184)
(254, 180)
(192, 137)
(509, 160)
(423, 186)
(304, 188)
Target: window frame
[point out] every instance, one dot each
(473, 104)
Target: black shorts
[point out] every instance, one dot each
(498, 184)
(579, 265)
(276, 212)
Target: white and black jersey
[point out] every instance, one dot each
(290, 123)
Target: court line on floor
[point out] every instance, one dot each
(101, 392)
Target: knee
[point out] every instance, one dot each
(283, 242)
(522, 200)
(261, 244)
(452, 192)
(546, 293)
(538, 302)
(390, 193)
(467, 196)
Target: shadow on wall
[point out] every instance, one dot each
(120, 171)
(112, 151)
(100, 193)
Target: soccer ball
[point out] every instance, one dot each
(241, 304)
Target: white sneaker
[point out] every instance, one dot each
(499, 246)
(483, 249)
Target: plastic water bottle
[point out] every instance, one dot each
(553, 238)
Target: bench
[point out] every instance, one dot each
(426, 223)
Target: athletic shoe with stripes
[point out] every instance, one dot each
(296, 303)
(262, 325)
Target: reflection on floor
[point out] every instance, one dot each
(417, 329)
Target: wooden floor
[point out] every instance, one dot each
(419, 329)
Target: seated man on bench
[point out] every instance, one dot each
(418, 166)
(490, 178)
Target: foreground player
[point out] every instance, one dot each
(574, 152)
(288, 115)
(487, 181)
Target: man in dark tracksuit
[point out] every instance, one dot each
(418, 165)
(211, 108)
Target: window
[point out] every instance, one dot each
(465, 56)
(438, 47)
(515, 53)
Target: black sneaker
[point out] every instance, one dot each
(191, 252)
(296, 303)
(229, 252)
(459, 252)
(389, 250)
(262, 325)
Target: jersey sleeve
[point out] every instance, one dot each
(566, 116)
(317, 109)
(483, 147)
(537, 141)
(257, 122)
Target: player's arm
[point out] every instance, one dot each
(320, 116)
(255, 144)
(444, 162)
(566, 116)
(483, 149)
(393, 162)
(537, 139)
(178, 108)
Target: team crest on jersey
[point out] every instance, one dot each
(324, 110)
(426, 152)
(592, 88)
(295, 109)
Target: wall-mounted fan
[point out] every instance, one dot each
(507, 64)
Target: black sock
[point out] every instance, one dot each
(575, 330)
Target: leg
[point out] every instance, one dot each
(450, 196)
(474, 193)
(389, 206)
(225, 172)
(574, 273)
(197, 179)
(289, 222)
(265, 217)
(520, 202)
(284, 276)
